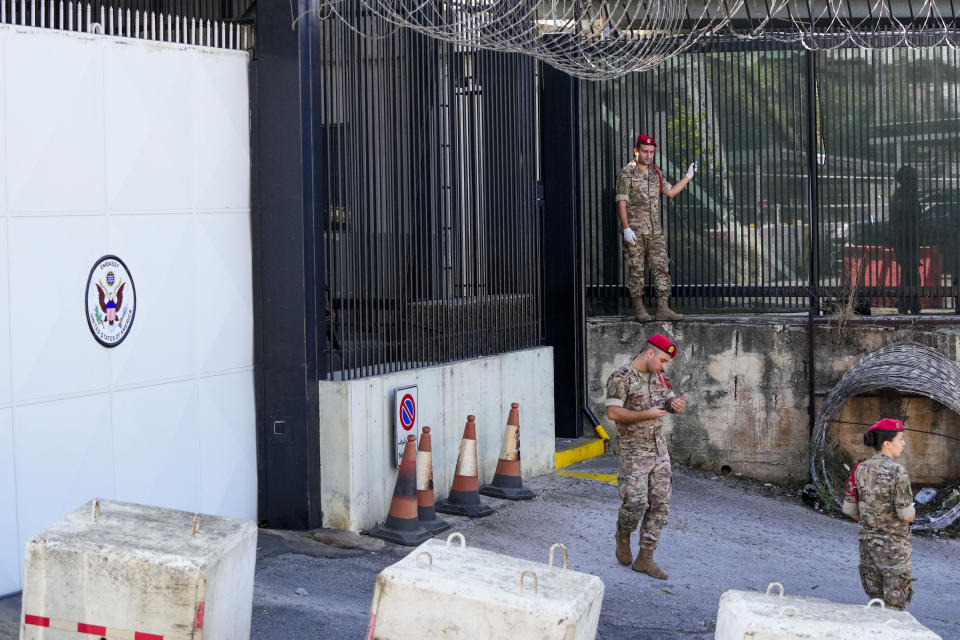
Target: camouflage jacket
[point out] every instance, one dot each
(630, 388)
(641, 190)
(879, 491)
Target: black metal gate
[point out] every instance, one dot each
(428, 217)
(763, 124)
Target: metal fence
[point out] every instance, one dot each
(224, 24)
(430, 226)
(769, 128)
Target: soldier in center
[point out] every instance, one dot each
(639, 187)
(638, 397)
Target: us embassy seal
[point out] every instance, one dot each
(111, 301)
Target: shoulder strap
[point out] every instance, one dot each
(851, 488)
(656, 170)
(664, 381)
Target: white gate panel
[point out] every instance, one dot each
(53, 352)
(159, 251)
(64, 455)
(221, 164)
(54, 122)
(227, 446)
(3, 137)
(141, 150)
(9, 545)
(155, 445)
(224, 257)
(6, 389)
(148, 146)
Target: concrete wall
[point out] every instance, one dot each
(139, 149)
(747, 380)
(356, 428)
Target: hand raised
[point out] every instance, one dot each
(679, 404)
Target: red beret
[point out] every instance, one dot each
(663, 343)
(887, 424)
(642, 139)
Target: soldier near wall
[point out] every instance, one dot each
(638, 396)
(639, 187)
(878, 495)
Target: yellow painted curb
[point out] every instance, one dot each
(610, 478)
(581, 452)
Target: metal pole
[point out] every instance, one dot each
(812, 206)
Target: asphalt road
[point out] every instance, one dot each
(724, 533)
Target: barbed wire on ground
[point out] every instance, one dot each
(908, 368)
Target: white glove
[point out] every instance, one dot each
(692, 169)
(629, 235)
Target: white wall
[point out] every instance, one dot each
(139, 149)
(357, 475)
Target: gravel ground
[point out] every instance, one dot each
(724, 533)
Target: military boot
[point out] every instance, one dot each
(664, 312)
(624, 555)
(645, 564)
(639, 311)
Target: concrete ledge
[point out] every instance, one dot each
(578, 452)
(356, 428)
(748, 379)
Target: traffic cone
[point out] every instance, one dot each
(402, 525)
(464, 499)
(507, 482)
(426, 512)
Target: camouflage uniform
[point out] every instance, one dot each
(644, 481)
(641, 191)
(879, 491)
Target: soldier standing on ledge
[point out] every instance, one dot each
(878, 495)
(638, 396)
(639, 187)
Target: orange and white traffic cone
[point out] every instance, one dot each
(402, 525)
(426, 512)
(507, 482)
(464, 497)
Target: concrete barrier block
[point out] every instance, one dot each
(120, 570)
(443, 591)
(758, 616)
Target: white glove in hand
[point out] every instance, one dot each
(629, 235)
(692, 169)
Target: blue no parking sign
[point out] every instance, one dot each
(405, 410)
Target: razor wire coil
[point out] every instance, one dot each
(910, 368)
(603, 39)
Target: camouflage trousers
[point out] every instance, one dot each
(644, 485)
(650, 252)
(885, 571)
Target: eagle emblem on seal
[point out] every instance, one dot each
(110, 303)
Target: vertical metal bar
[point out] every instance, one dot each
(500, 255)
(814, 213)
(376, 186)
(402, 238)
(415, 49)
(490, 80)
(349, 258)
